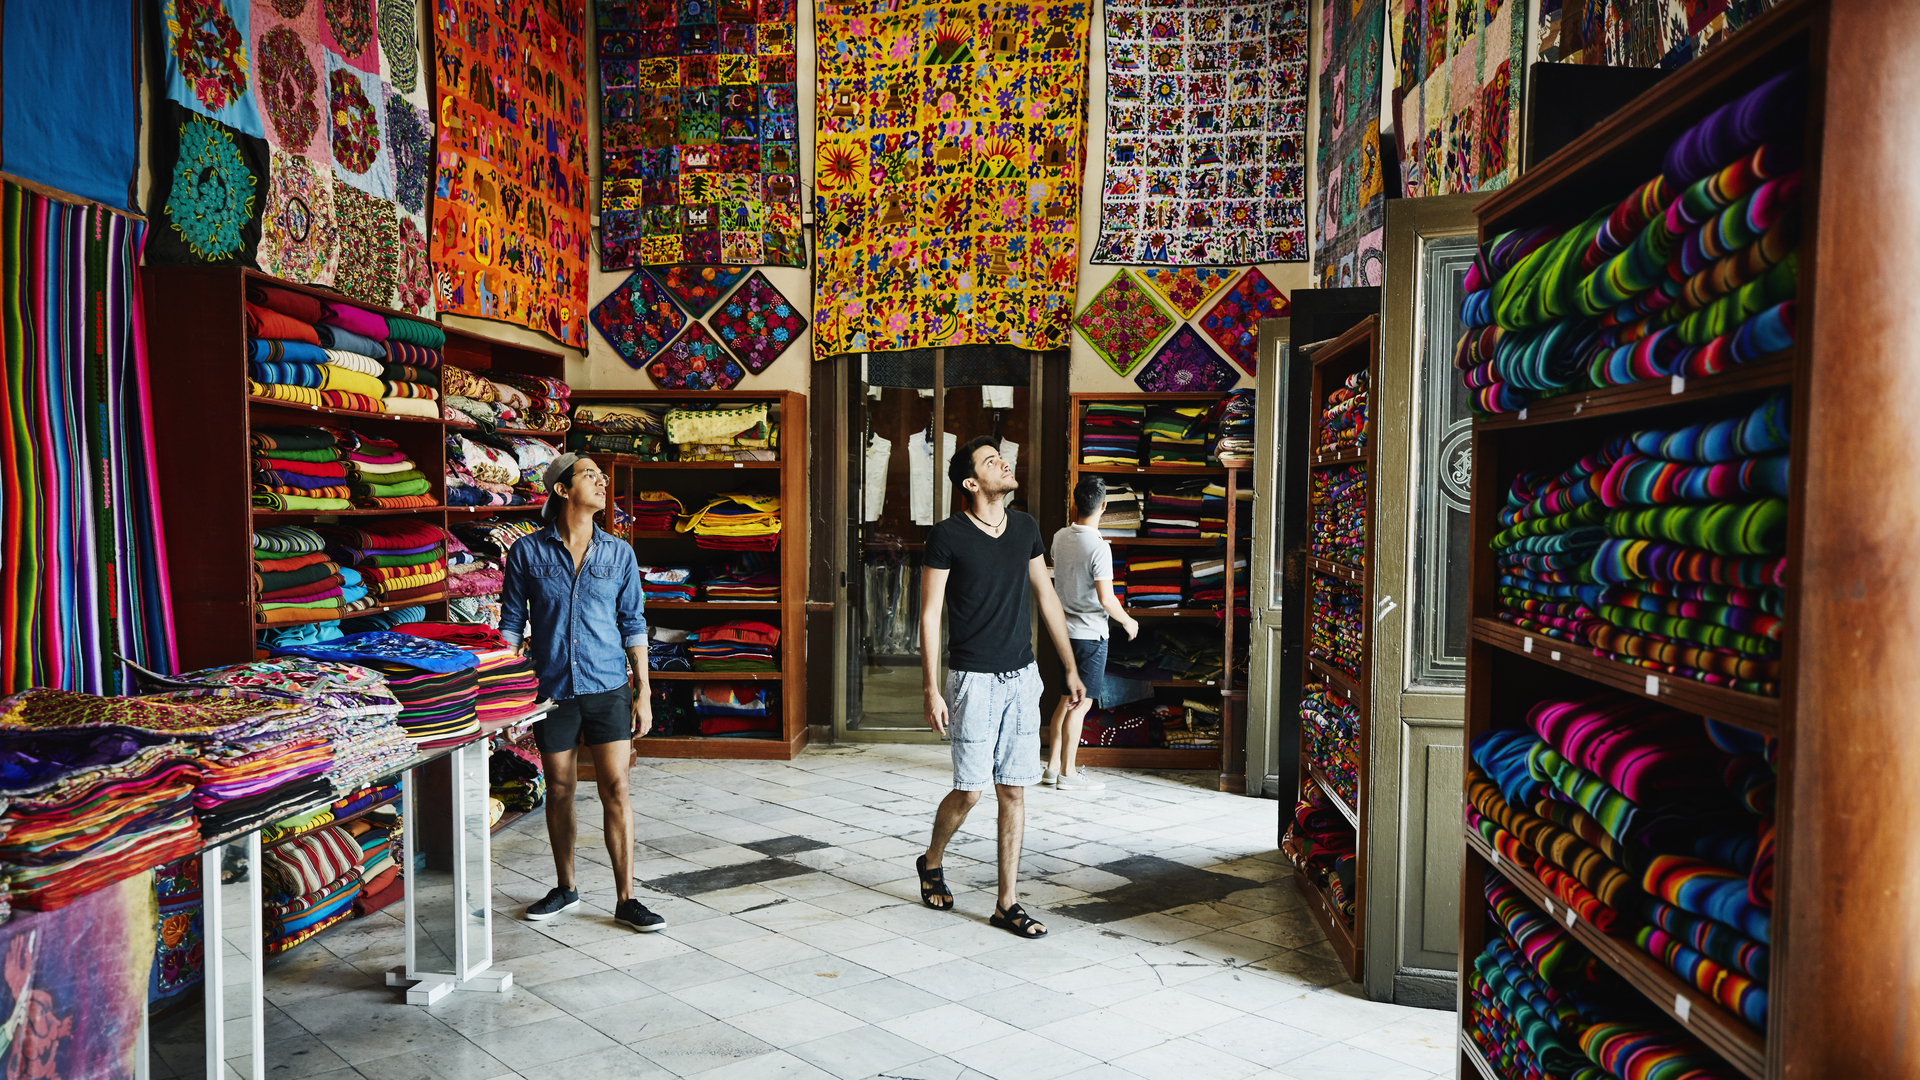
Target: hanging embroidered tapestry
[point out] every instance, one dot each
(698, 288)
(1351, 205)
(1186, 288)
(757, 323)
(638, 318)
(699, 133)
(76, 983)
(947, 166)
(209, 69)
(697, 361)
(1234, 322)
(1663, 33)
(1456, 94)
(71, 96)
(1206, 133)
(510, 196)
(1122, 322)
(209, 188)
(1185, 363)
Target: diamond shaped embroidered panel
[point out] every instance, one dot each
(638, 318)
(698, 288)
(696, 362)
(1187, 288)
(1122, 322)
(1234, 322)
(757, 323)
(1186, 363)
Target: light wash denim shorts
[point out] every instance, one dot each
(993, 721)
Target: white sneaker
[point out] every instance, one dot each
(1078, 780)
(1048, 776)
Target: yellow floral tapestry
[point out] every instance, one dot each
(948, 162)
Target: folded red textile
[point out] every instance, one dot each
(295, 305)
(727, 725)
(306, 594)
(264, 322)
(291, 562)
(745, 632)
(341, 399)
(388, 535)
(304, 468)
(470, 636)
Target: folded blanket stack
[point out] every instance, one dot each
(296, 581)
(736, 710)
(435, 682)
(310, 884)
(1173, 509)
(298, 468)
(1337, 624)
(1235, 448)
(1662, 549)
(543, 402)
(744, 433)
(1210, 585)
(357, 714)
(1162, 654)
(1320, 843)
(654, 511)
(381, 882)
(402, 561)
(1156, 581)
(516, 775)
(472, 577)
(288, 359)
(1694, 272)
(1124, 513)
(735, 521)
(668, 584)
(486, 542)
(485, 471)
(1332, 726)
(1343, 419)
(1198, 727)
(1110, 434)
(667, 649)
(506, 687)
(639, 430)
(1339, 528)
(1655, 825)
(1178, 435)
(380, 474)
(734, 646)
(749, 577)
(1213, 511)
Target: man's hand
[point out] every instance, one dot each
(1076, 690)
(1132, 627)
(520, 649)
(642, 714)
(936, 712)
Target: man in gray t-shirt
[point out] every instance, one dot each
(1083, 578)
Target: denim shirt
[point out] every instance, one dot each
(581, 623)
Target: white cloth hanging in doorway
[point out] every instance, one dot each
(879, 451)
(996, 397)
(922, 471)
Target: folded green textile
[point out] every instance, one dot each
(1755, 528)
(416, 333)
(328, 454)
(399, 477)
(329, 602)
(275, 580)
(417, 559)
(362, 489)
(268, 500)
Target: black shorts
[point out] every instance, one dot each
(595, 719)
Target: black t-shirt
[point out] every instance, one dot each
(989, 600)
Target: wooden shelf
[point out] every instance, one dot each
(717, 676)
(638, 464)
(1181, 684)
(1153, 470)
(713, 605)
(1326, 784)
(351, 512)
(1750, 711)
(1729, 1036)
(1774, 369)
(1339, 934)
(1149, 757)
(493, 509)
(346, 414)
(1337, 570)
(358, 614)
(701, 746)
(1174, 613)
(1475, 1059)
(529, 432)
(1165, 541)
(1355, 458)
(1326, 671)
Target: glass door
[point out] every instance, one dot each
(1266, 714)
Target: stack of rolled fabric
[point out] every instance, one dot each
(286, 361)
(1235, 448)
(506, 687)
(735, 710)
(1320, 843)
(1199, 729)
(654, 511)
(434, 682)
(735, 646)
(1173, 510)
(1339, 527)
(1693, 273)
(743, 433)
(747, 577)
(298, 469)
(1213, 511)
(401, 561)
(381, 882)
(1653, 824)
(1343, 420)
(294, 580)
(1110, 434)
(412, 372)
(381, 475)
(1178, 435)
(1662, 549)
(1337, 623)
(667, 649)
(1123, 515)
(310, 884)
(516, 776)
(379, 620)
(1156, 581)
(483, 471)
(1332, 727)
(603, 428)
(668, 584)
(548, 401)
(735, 521)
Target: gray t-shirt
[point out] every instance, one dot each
(1081, 556)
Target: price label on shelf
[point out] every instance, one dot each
(1653, 686)
(1523, 414)
(1572, 916)
(1550, 911)
(1679, 384)
(739, 465)
(1682, 1008)
(1496, 856)
(1526, 645)
(1555, 654)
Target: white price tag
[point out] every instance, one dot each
(1572, 915)
(739, 465)
(1577, 406)
(1549, 905)
(1653, 686)
(1523, 414)
(1496, 856)
(1526, 645)
(1555, 654)
(1682, 1008)
(1679, 384)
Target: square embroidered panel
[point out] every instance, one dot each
(1206, 133)
(1352, 203)
(510, 228)
(757, 323)
(1186, 288)
(947, 169)
(1456, 96)
(1122, 322)
(698, 288)
(1186, 362)
(1234, 322)
(638, 319)
(700, 133)
(696, 362)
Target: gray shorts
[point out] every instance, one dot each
(1090, 657)
(993, 721)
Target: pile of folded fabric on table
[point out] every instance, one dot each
(402, 561)
(310, 884)
(1656, 825)
(604, 428)
(506, 686)
(411, 376)
(735, 521)
(298, 468)
(667, 649)
(1122, 516)
(736, 710)
(436, 683)
(653, 511)
(1178, 435)
(287, 362)
(295, 581)
(1156, 581)
(1337, 623)
(1235, 446)
(1343, 420)
(1110, 433)
(734, 646)
(742, 433)
(1332, 727)
(1320, 843)
(748, 577)
(355, 711)
(1338, 532)
(1173, 509)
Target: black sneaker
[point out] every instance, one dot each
(555, 902)
(635, 914)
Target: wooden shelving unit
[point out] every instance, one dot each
(1229, 758)
(203, 417)
(1843, 957)
(692, 482)
(1357, 350)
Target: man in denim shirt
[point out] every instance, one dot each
(581, 590)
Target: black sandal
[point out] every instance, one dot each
(933, 883)
(1016, 921)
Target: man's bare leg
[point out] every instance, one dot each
(559, 771)
(610, 764)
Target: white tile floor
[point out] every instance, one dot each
(1179, 948)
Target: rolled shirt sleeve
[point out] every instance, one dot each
(630, 605)
(513, 598)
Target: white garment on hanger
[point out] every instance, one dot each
(996, 397)
(922, 472)
(879, 451)
(1010, 453)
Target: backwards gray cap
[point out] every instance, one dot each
(556, 469)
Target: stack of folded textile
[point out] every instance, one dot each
(654, 511)
(1694, 272)
(298, 469)
(381, 883)
(744, 433)
(667, 584)
(380, 474)
(735, 710)
(667, 649)
(548, 401)
(286, 361)
(294, 581)
(435, 682)
(1173, 510)
(1655, 825)
(469, 575)
(1199, 728)
(1130, 726)
(1123, 516)
(352, 349)
(1662, 549)
(356, 712)
(379, 620)
(310, 884)
(466, 398)
(734, 646)
(1213, 511)
(1320, 843)
(1210, 584)
(1343, 420)
(482, 471)
(1177, 435)
(402, 561)
(747, 577)
(533, 456)
(1337, 624)
(1338, 532)
(506, 686)
(1110, 434)
(735, 521)
(411, 377)
(87, 806)
(1162, 654)
(640, 430)
(1332, 727)
(1235, 448)
(1156, 581)
(489, 541)
(515, 775)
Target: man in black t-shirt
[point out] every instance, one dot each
(991, 708)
